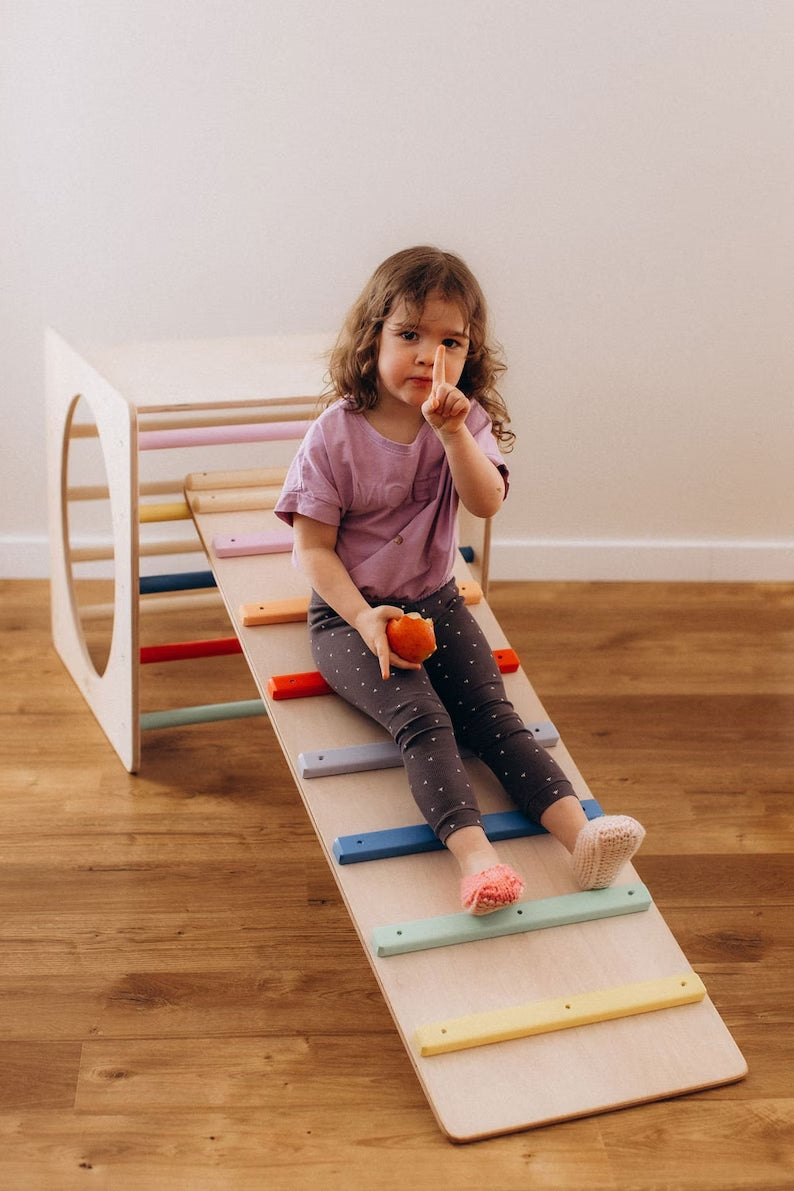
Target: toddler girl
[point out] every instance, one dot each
(413, 426)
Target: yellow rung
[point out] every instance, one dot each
(560, 1013)
(174, 511)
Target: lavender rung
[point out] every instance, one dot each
(385, 754)
(240, 544)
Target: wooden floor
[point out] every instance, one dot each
(185, 1005)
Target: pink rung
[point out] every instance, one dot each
(197, 436)
(240, 544)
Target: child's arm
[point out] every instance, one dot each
(315, 545)
(478, 483)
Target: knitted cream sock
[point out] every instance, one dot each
(492, 889)
(602, 847)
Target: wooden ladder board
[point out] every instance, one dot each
(528, 1081)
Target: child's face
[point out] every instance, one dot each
(407, 350)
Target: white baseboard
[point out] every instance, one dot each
(649, 560)
(527, 559)
(24, 557)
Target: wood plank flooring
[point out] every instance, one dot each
(185, 1005)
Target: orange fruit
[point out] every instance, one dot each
(412, 636)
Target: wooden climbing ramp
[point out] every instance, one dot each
(568, 1004)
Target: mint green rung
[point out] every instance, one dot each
(425, 933)
(204, 714)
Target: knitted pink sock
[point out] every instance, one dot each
(602, 847)
(492, 889)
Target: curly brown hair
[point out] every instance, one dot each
(411, 277)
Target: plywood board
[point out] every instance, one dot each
(523, 1082)
(179, 374)
(112, 694)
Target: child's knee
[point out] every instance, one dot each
(417, 723)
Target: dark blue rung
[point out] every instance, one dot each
(186, 581)
(467, 552)
(409, 841)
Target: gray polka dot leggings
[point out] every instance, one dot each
(458, 697)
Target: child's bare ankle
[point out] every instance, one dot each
(472, 850)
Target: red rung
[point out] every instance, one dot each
(180, 650)
(297, 686)
(507, 660)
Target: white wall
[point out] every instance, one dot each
(619, 173)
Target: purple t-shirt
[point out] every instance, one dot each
(394, 503)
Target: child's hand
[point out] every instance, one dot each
(446, 409)
(371, 627)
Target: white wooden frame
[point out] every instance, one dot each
(113, 695)
(130, 388)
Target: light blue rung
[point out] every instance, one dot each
(384, 754)
(425, 933)
(205, 714)
(408, 841)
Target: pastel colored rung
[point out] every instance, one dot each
(385, 754)
(175, 510)
(297, 608)
(252, 477)
(235, 500)
(204, 714)
(560, 1013)
(198, 436)
(425, 934)
(311, 682)
(240, 545)
(470, 590)
(275, 612)
(417, 838)
(181, 581)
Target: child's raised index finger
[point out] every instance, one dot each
(439, 366)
